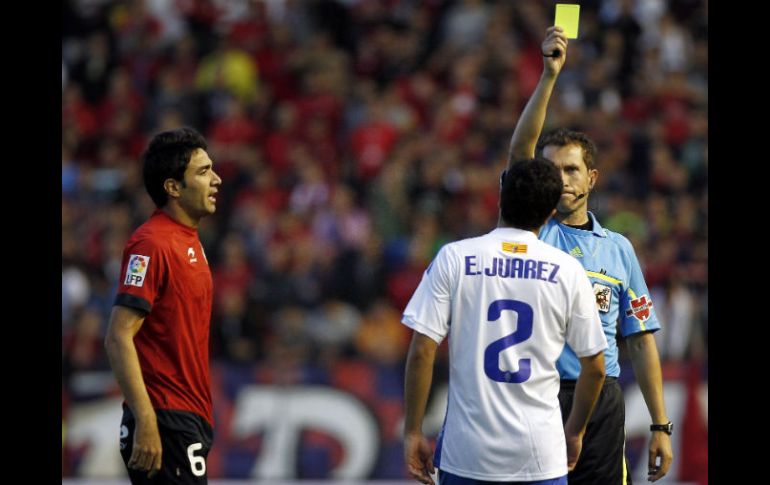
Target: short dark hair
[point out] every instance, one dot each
(562, 137)
(167, 157)
(530, 191)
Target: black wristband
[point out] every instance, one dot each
(667, 428)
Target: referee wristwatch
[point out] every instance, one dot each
(667, 428)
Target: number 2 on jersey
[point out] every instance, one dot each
(522, 333)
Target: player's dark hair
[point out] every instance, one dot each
(530, 191)
(167, 157)
(563, 137)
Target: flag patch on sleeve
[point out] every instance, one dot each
(136, 270)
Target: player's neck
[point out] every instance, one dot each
(177, 213)
(501, 224)
(574, 218)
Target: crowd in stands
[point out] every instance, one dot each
(355, 138)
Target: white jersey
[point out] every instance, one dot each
(509, 303)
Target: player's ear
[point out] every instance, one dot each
(172, 187)
(593, 176)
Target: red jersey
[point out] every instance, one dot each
(165, 273)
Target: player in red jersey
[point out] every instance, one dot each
(158, 335)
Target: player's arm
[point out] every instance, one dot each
(125, 322)
(419, 375)
(530, 124)
(587, 389)
(646, 362)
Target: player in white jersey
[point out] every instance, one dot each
(509, 302)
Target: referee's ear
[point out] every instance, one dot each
(593, 176)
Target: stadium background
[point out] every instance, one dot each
(354, 138)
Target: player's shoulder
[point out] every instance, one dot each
(454, 249)
(549, 250)
(471, 245)
(153, 233)
(469, 242)
(557, 256)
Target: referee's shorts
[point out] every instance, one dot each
(602, 459)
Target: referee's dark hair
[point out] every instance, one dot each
(167, 157)
(530, 190)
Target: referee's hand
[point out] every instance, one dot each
(555, 40)
(419, 457)
(147, 451)
(660, 446)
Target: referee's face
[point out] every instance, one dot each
(578, 180)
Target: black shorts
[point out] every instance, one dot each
(602, 460)
(186, 440)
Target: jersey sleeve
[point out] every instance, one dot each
(429, 309)
(143, 275)
(637, 313)
(584, 330)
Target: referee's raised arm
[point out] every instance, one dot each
(530, 124)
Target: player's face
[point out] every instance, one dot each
(198, 196)
(575, 175)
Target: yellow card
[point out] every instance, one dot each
(567, 17)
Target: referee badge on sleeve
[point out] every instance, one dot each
(603, 295)
(640, 308)
(136, 270)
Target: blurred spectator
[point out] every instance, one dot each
(78, 114)
(227, 71)
(82, 346)
(465, 23)
(381, 337)
(92, 71)
(676, 305)
(171, 93)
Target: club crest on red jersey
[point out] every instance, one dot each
(640, 308)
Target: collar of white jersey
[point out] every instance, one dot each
(513, 233)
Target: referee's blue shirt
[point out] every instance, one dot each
(611, 265)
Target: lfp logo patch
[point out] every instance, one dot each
(136, 270)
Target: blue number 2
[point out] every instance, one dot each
(522, 333)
